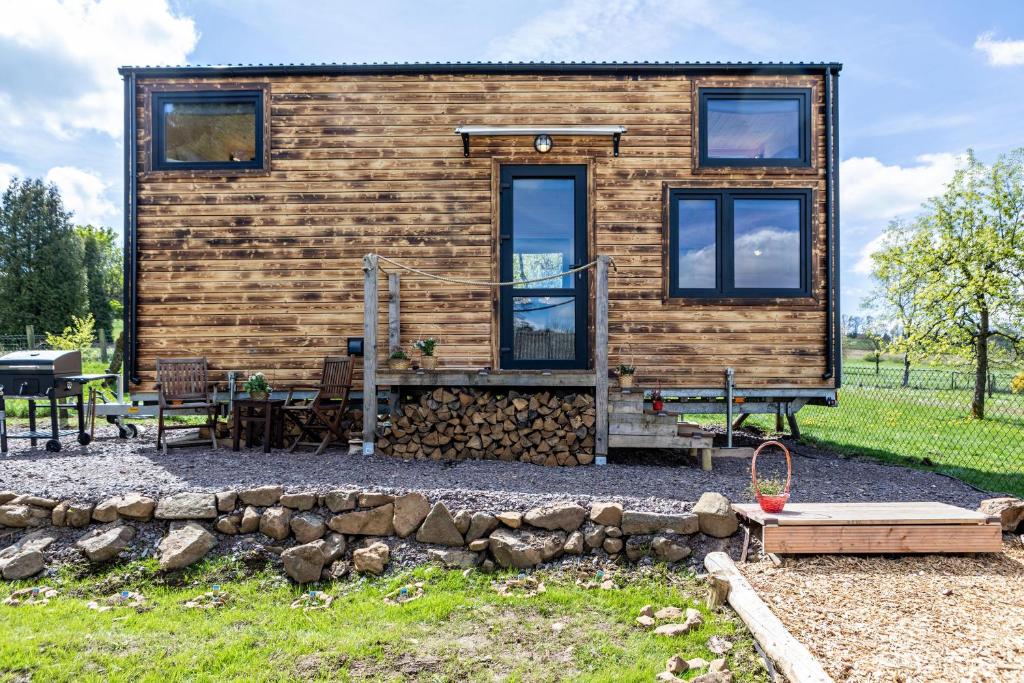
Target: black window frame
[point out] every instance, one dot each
(802, 95)
(724, 243)
(160, 98)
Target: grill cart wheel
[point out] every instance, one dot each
(127, 431)
(53, 446)
(84, 439)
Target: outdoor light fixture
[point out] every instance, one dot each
(542, 143)
(541, 134)
(355, 346)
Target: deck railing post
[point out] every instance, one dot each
(394, 331)
(370, 308)
(601, 362)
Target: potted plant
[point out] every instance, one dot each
(257, 387)
(771, 494)
(426, 347)
(656, 401)
(626, 373)
(399, 360)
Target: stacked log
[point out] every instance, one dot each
(462, 423)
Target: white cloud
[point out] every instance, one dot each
(1001, 52)
(59, 59)
(7, 171)
(84, 193)
(873, 193)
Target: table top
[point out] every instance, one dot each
(862, 513)
(259, 402)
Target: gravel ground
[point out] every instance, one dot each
(641, 480)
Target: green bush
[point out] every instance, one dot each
(78, 335)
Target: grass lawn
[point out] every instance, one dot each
(460, 629)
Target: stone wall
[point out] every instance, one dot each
(322, 535)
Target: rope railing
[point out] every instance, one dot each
(481, 283)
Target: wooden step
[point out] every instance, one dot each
(657, 441)
(655, 425)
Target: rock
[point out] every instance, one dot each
(332, 546)
(439, 528)
(718, 665)
(564, 516)
(668, 550)
(478, 545)
(714, 677)
(102, 545)
(340, 501)
(613, 532)
(574, 544)
(1010, 511)
(715, 516)
(512, 520)
(655, 522)
(696, 663)
(647, 611)
(303, 563)
(70, 513)
(7, 496)
(637, 546)
(668, 613)
(250, 523)
(187, 543)
(299, 501)
(337, 570)
(410, 511)
(22, 564)
(612, 545)
(59, 514)
(274, 522)
(593, 535)
(676, 665)
(378, 521)
(481, 524)
(672, 630)
(184, 506)
(16, 516)
(261, 496)
(106, 511)
(645, 621)
(523, 549)
(229, 524)
(488, 567)
(453, 558)
(34, 501)
(137, 507)
(371, 560)
(606, 514)
(462, 520)
(665, 676)
(719, 645)
(226, 501)
(308, 527)
(372, 499)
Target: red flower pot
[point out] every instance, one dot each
(771, 503)
(659, 405)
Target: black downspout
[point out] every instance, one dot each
(830, 341)
(131, 374)
(837, 362)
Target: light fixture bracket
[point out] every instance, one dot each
(614, 132)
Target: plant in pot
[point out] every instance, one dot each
(427, 347)
(656, 401)
(771, 494)
(625, 373)
(257, 387)
(399, 360)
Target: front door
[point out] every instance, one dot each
(543, 232)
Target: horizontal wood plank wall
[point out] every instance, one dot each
(264, 272)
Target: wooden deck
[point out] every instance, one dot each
(874, 528)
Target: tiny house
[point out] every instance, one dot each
(260, 200)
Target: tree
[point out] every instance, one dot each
(967, 253)
(42, 282)
(103, 272)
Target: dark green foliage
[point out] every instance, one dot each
(103, 274)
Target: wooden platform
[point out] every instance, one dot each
(873, 528)
(630, 425)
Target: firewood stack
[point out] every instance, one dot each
(451, 423)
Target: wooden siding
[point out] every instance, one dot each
(264, 272)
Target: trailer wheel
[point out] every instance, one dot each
(53, 446)
(123, 432)
(84, 439)
(133, 431)
(111, 419)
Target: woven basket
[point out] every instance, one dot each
(399, 363)
(259, 395)
(428, 362)
(627, 381)
(771, 503)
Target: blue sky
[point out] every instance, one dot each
(921, 83)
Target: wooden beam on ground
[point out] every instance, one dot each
(790, 655)
(601, 361)
(370, 307)
(794, 428)
(740, 420)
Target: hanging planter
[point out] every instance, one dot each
(771, 494)
(399, 360)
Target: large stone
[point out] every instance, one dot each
(7, 496)
(608, 514)
(480, 524)
(332, 546)
(636, 547)
(340, 501)
(371, 560)
(511, 519)
(564, 516)
(378, 521)
(22, 564)
(229, 524)
(372, 499)
(303, 563)
(187, 543)
(274, 522)
(439, 528)
(453, 558)
(659, 522)
(103, 545)
(308, 527)
(16, 516)
(35, 501)
(593, 535)
(713, 677)
(715, 516)
(59, 514)
(37, 540)
(523, 549)
(226, 501)
(574, 544)
(70, 513)
(669, 550)
(462, 519)
(410, 511)
(261, 496)
(299, 501)
(136, 507)
(612, 545)
(185, 506)
(250, 523)
(106, 510)
(1010, 511)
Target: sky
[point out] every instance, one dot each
(921, 83)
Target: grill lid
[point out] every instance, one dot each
(58, 362)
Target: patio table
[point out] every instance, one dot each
(248, 413)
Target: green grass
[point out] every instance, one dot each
(461, 629)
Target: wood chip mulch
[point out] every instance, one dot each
(904, 619)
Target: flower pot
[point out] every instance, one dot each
(259, 395)
(626, 381)
(658, 405)
(771, 502)
(399, 363)
(428, 362)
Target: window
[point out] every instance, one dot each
(739, 243)
(208, 130)
(755, 127)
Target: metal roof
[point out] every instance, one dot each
(467, 68)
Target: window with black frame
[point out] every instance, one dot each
(197, 130)
(739, 243)
(755, 127)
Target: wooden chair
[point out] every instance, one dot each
(183, 385)
(319, 419)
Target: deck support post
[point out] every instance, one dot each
(601, 362)
(370, 307)
(728, 406)
(394, 331)
(794, 428)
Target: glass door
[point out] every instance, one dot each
(543, 232)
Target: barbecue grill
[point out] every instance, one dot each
(48, 376)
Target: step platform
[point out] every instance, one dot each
(873, 528)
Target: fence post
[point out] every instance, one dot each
(103, 345)
(30, 336)
(370, 304)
